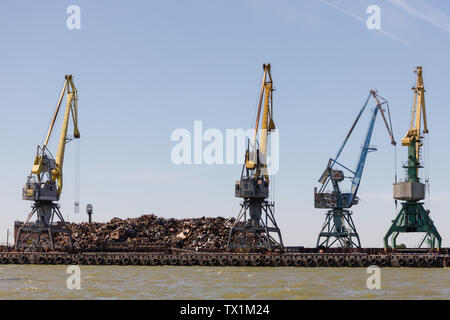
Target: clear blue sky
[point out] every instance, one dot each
(146, 68)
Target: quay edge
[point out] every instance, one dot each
(174, 257)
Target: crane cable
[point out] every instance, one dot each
(427, 169)
(395, 175)
(77, 177)
(255, 110)
(395, 153)
(272, 179)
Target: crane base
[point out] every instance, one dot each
(30, 235)
(255, 233)
(339, 230)
(413, 218)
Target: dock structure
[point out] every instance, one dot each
(302, 257)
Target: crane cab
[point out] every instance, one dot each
(251, 187)
(40, 186)
(44, 191)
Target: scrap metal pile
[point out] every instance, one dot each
(205, 234)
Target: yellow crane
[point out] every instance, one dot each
(44, 184)
(412, 216)
(71, 109)
(253, 186)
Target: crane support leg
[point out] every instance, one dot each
(413, 218)
(339, 229)
(255, 233)
(31, 234)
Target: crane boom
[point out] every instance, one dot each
(412, 137)
(71, 109)
(52, 124)
(267, 125)
(366, 147)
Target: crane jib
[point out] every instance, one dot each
(352, 127)
(362, 159)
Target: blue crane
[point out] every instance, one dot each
(339, 227)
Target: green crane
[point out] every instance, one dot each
(412, 216)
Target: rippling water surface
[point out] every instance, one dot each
(169, 282)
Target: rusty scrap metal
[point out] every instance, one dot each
(198, 234)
